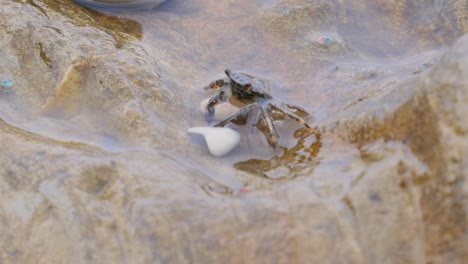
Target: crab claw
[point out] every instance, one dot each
(209, 114)
(210, 108)
(215, 84)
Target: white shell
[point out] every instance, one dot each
(220, 140)
(222, 110)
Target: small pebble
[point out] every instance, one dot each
(7, 84)
(220, 140)
(324, 41)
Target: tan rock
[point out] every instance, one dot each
(116, 179)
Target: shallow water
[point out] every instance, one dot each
(116, 159)
(196, 40)
(374, 46)
(277, 40)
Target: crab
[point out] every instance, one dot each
(257, 105)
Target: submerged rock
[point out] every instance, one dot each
(96, 164)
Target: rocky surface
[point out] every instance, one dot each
(121, 4)
(96, 165)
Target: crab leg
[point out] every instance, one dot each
(269, 131)
(242, 113)
(222, 96)
(256, 113)
(217, 84)
(296, 109)
(291, 114)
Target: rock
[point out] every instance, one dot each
(429, 121)
(120, 5)
(96, 163)
(220, 140)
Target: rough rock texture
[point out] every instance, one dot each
(96, 166)
(121, 4)
(429, 123)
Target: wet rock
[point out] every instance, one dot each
(428, 121)
(393, 32)
(86, 72)
(96, 164)
(121, 5)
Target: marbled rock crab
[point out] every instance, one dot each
(257, 105)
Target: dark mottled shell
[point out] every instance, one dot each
(259, 84)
